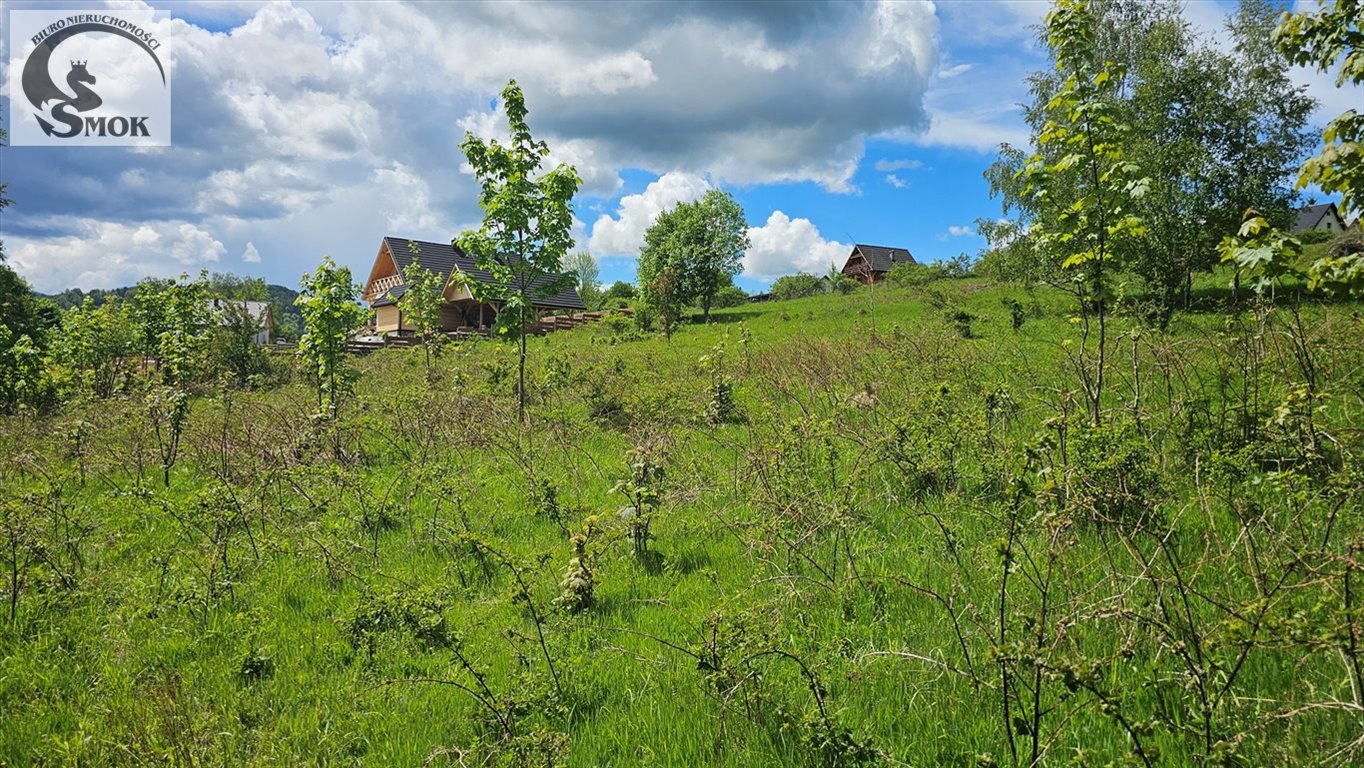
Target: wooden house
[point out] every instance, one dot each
(870, 263)
(385, 287)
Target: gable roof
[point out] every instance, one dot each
(1310, 216)
(444, 258)
(882, 258)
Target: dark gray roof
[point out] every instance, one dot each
(1310, 216)
(882, 258)
(442, 258)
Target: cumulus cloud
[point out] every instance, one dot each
(251, 255)
(785, 245)
(103, 254)
(957, 230)
(896, 181)
(298, 126)
(623, 234)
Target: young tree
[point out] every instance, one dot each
(527, 217)
(584, 268)
(1081, 186)
(663, 268)
(92, 345)
(329, 315)
(421, 304)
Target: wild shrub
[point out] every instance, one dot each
(720, 407)
(414, 614)
(961, 320)
(642, 486)
(578, 587)
(1112, 474)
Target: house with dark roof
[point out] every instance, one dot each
(1325, 217)
(870, 263)
(230, 311)
(459, 309)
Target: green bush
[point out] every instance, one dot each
(729, 296)
(796, 286)
(915, 274)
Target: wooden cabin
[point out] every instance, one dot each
(870, 263)
(385, 288)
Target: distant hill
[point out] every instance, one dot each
(288, 320)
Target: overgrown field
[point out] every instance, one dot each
(868, 529)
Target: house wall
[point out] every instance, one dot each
(387, 319)
(1331, 223)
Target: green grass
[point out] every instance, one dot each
(877, 461)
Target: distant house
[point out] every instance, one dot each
(870, 263)
(1324, 217)
(386, 285)
(226, 310)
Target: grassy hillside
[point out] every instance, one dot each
(903, 544)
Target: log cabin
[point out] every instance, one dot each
(870, 263)
(385, 288)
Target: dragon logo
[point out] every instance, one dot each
(60, 112)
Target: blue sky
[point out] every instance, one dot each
(311, 128)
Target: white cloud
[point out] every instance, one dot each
(957, 230)
(896, 181)
(898, 165)
(314, 128)
(251, 255)
(784, 245)
(954, 70)
(104, 254)
(623, 235)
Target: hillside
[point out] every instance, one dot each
(865, 529)
(281, 300)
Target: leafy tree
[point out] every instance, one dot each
(92, 345)
(1318, 40)
(22, 381)
(147, 312)
(421, 304)
(795, 286)
(1333, 34)
(236, 351)
(1081, 186)
(527, 217)
(665, 296)
(584, 268)
(1215, 132)
(330, 313)
(183, 344)
(230, 286)
(619, 292)
(714, 236)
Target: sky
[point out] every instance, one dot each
(303, 129)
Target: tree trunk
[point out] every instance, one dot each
(521, 367)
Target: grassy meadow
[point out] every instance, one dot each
(865, 529)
